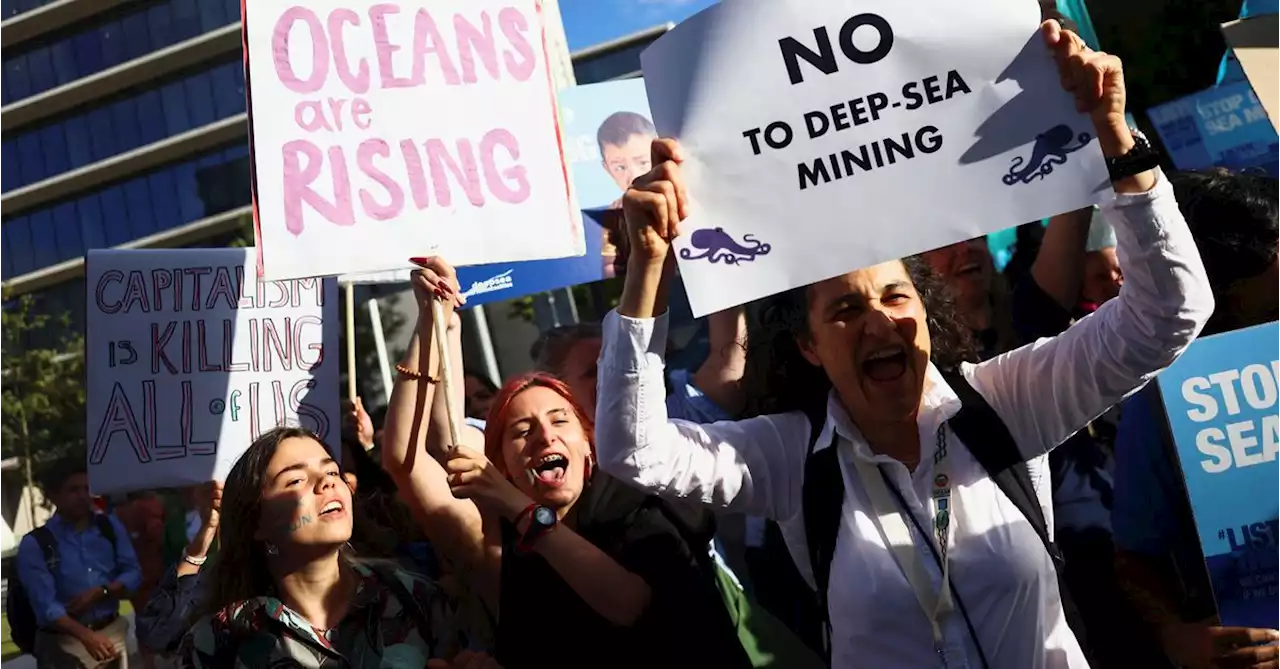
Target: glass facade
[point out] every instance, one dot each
(105, 40)
(610, 65)
(163, 199)
(12, 8)
(133, 120)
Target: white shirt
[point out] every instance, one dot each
(1044, 392)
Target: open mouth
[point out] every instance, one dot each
(332, 509)
(550, 469)
(885, 364)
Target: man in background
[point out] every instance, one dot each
(142, 514)
(76, 595)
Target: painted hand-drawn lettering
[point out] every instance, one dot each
(380, 125)
(190, 359)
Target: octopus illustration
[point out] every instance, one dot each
(716, 246)
(1051, 148)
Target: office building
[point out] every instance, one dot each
(124, 126)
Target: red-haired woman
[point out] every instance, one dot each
(580, 569)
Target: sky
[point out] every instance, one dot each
(590, 22)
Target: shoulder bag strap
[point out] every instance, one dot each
(49, 547)
(108, 531)
(988, 439)
(822, 502)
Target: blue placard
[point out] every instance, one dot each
(607, 133)
(1221, 399)
(1224, 126)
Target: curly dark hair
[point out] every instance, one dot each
(778, 378)
(1232, 216)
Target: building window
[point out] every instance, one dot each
(106, 40)
(611, 65)
(132, 120)
(160, 200)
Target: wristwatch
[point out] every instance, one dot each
(541, 521)
(1138, 159)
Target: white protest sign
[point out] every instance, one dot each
(385, 130)
(189, 359)
(822, 136)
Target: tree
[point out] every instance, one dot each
(43, 389)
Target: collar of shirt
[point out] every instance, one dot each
(255, 616)
(937, 405)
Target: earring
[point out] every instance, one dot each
(271, 549)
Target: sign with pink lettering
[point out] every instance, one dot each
(386, 130)
(190, 357)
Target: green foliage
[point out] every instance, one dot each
(244, 239)
(594, 300)
(43, 388)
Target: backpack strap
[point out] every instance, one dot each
(988, 439)
(822, 501)
(107, 529)
(49, 547)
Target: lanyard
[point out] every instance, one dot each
(889, 516)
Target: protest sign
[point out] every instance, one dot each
(1254, 43)
(607, 133)
(1223, 126)
(1221, 399)
(385, 130)
(190, 358)
(825, 136)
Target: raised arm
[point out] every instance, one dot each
(753, 466)
(719, 376)
(1059, 265)
(454, 523)
(1047, 390)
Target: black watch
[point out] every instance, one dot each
(542, 520)
(1140, 158)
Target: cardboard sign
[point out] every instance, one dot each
(1223, 126)
(190, 358)
(607, 134)
(1254, 42)
(386, 130)
(825, 136)
(1221, 399)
